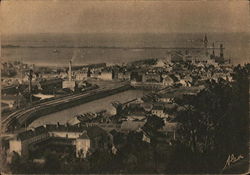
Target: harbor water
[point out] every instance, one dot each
(94, 106)
(58, 49)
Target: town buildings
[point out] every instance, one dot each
(84, 139)
(167, 79)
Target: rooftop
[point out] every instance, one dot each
(48, 128)
(84, 136)
(95, 131)
(132, 125)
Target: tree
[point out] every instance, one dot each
(52, 162)
(153, 123)
(130, 162)
(240, 107)
(14, 124)
(215, 121)
(100, 161)
(204, 114)
(15, 162)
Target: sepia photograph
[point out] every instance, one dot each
(125, 86)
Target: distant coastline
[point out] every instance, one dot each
(100, 47)
(10, 46)
(55, 49)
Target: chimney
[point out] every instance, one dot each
(30, 76)
(69, 73)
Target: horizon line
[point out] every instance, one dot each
(201, 32)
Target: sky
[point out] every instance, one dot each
(75, 16)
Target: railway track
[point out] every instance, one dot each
(22, 114)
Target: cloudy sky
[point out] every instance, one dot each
(75, 16)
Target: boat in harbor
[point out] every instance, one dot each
(56, 51)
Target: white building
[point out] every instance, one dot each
(159, 63)
(82, 145)
(184, 82)
(84, 139)
(69, 85)
(167, 81)
(81, 76)
(123, 75)
(20, 145)
(170, 128)
(159, 111)
(105, 75)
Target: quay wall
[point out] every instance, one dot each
(147, 86)
(29, 118)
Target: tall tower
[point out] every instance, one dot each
(221, 51)
(69, 84)
(69, 73)
(213, 49)
(205, 42)
(30, 76)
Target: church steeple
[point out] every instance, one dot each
(205, 42)
(221, 51)
(205, 39)
(213, 49)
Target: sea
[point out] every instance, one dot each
(57, 49)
